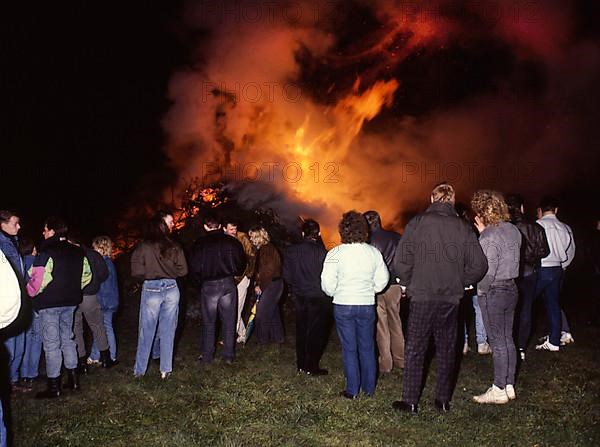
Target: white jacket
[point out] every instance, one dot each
(561, 242)
(353, 273)
(10, 293)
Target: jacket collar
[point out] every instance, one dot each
(443, 208)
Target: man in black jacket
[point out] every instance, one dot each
(214, 261)
(302, 266)
(438, 256)
(59, 273)
(390, 339)
(533, 249)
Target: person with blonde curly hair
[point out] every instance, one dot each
(497, 291)
(269, 287)
(353, 273)
(108, 297)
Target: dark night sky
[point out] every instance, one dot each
(84, 89)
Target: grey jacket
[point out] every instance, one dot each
(501, 245)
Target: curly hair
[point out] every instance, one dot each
(103, 245)
(490, 206)
(353, 228)
(259, 236)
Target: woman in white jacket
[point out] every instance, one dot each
(353, 273)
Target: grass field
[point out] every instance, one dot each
(260, 400)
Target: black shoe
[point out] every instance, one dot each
(347, 395)
(27, 382)
(442, 407)
(317, 372)
(400, 405)
(82, 366)
(105, 359)
(73, 380)
(54, 389)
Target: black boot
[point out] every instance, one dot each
(53, 391)
(73, 380)
(105, 359)
(82, 366)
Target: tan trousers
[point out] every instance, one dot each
(390, 339)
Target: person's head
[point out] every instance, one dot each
(353, 228)
(27, 246)
(310, 229)
(9, 222)
(548, 205)
(103, 245)
(443, 193)
(55, 226)
(373, 219)
(515, 205)
(211, 222)
(489, 206)
(156, 229)
(167, 216)
(258, 236)
(230, 227)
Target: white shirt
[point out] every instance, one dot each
(353, 273)
(10, 293)
(561, 242)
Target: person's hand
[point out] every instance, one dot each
(479, 224)
(257, 290)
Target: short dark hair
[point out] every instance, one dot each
(310, 228)
(548, 203)
(5, 215)
(211, 221)
(514, 203)
(26, 245)
(353, 228)
(373, 219)
(58, 225)
(229, 220)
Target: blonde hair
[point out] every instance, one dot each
(103, 245)
(443, 192)
(259, 237)
(490, 206)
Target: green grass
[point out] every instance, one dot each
(260, 400)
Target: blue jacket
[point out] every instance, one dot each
(9, 246)
(108, 295)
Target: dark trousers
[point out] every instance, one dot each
(268, 318)
(498, 311)
(218, 297)
(548, 284)
(313, 318)
(526, 286)
(427, 318)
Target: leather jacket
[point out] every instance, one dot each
(534, 245)
(386, 242)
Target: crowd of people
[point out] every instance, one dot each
(500, 261)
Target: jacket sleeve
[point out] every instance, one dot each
(491, 251)
(542, 249)
(241, 260)
(382, 274)
(405, 254)
(10, 293)
(181, 266)
(329, 274)
(476, 264)
(570, 248)
(100, 268)
(138, 266)
(86, 273)
(40, 275)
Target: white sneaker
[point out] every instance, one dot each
(510, 392)
(484, 348)
(566, 338)
(522, 354)
(90, 361)
(493, 395)
(547, 346)
(466, 348)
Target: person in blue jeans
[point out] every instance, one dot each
(14, 340)
(353, 273)
(158, 260)
(108, 298)
(33, 335)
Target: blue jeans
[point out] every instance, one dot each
(58, 339)
(2, 427)
(110, 336)
(16, 348)
(548, 284)
(218, 297)
(356, 329)
(33, 348)
(159, 306)
(480, 334)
